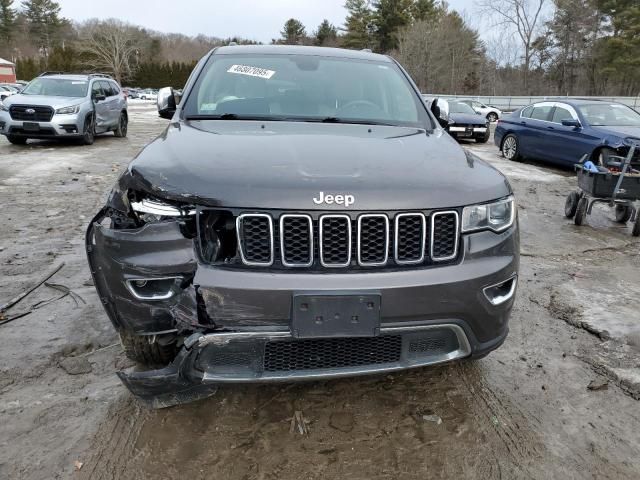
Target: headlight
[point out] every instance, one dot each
(3, 107)
(496, 216)
(150, 211)
(68, 110)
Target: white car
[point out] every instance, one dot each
(6, 91)
(148, 95)
(492, 113)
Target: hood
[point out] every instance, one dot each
(620, 132)
(44, 100)
(467, 118)
(285, 165)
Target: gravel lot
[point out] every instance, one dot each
(523, 412)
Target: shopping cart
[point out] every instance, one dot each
(617, 186)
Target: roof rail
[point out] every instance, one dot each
(44, 74)
(88, 74)
(366, 50)
(101, 75)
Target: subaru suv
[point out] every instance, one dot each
(303, 216)
(63, 106)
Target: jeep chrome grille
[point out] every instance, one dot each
(338, 241)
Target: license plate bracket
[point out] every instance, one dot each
(30, 126)
(328, 315)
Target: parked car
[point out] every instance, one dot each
(7, 91)
(564, 130)
(148, 94)
(303, 216)
(464, 122)
(63, 106)
(491, 113)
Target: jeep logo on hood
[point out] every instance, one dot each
(340, 199)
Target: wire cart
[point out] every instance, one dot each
(617, 189)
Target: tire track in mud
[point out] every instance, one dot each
(115, 441)
(511, 425)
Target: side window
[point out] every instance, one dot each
(526, 113)
(114, 88)
(96, 90)
(541, 112)
(561, 113)
(477, 105)
(106, 88)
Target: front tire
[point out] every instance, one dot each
(636, 226)
(571, 205)
(510, 148)
(17, 140)
(482, 138)
(123, 123)
(492, 117)
(147, 350)
(88, 131)
(623, 213)
(581, 212)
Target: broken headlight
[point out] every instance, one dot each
(496, 216)
(152, 211)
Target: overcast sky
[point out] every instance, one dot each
(259, 20)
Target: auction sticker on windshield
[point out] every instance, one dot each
(251, 71)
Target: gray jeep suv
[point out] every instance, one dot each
(61, 106)
(302, 216)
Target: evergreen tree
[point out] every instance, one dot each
(293, 32)
(326, 33)
(7, 24)
(389, 17)
(358, 25)
(43, 20)
(424, 9)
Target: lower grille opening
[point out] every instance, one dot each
(286, 356)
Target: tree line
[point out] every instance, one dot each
(530, 47)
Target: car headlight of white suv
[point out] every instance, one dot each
(68, 110)
(496, 216)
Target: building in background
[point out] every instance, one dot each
(7, 71)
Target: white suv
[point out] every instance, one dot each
(492, 113)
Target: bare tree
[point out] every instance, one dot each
(109, 46)
(523, 16)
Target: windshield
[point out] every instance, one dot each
(57, 87)
(305, 88)
(603, 114)
(456, 107)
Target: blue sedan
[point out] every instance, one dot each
(562, 131)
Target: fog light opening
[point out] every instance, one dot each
(153, 288)
(501, 292)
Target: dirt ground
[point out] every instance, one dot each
(523, 412)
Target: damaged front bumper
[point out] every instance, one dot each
(235, 325)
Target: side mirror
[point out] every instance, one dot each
(166, 102)
(571, 123)
(99, 98)
(478, 113)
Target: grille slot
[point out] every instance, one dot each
(444, 235)
(41, 113)
(335, 240)
(410, 238)
(296, 240)
(286, 356)
(255, 238)
(373, 239)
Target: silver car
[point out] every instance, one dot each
(62, 106)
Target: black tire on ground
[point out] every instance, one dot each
(88, 131)
(148, 351)
(636, 226)
(121, 131)
(482, 138)
(623, 213)
(510, 149)
(17, 140)
(571, 204)
(581, 211)
(492, 117)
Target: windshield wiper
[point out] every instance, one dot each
(350, 121)
(234, 116)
